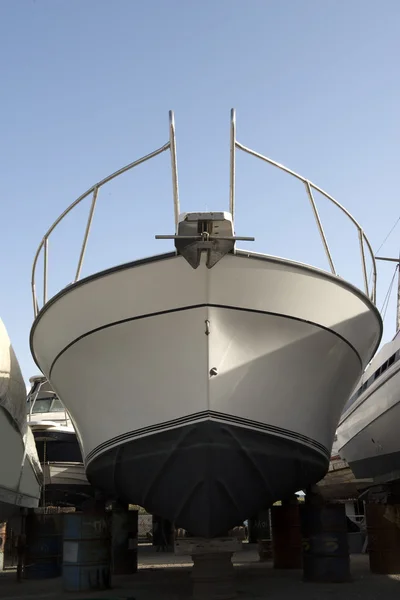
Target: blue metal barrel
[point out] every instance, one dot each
(86, 552)
(124, 534)
(325, 543)
(43, 554)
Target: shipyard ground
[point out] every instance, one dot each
(164, 576)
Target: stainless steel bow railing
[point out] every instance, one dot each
(370, 290)
(94, 190)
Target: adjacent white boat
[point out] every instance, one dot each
(64, 478)
(20, 472)
(368, 432)
(220, 374)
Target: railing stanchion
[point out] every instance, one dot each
(374, 269)
(45, 259)
(320, 228)
(232, 165)
(174, 167)
(34, 299)
(364, 266)
(87, 231)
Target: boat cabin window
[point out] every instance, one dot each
(388, 363)
(57, 406)
(46, 405)
(41, 406)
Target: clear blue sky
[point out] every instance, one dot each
(86, 86)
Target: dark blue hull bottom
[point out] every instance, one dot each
(206, 477)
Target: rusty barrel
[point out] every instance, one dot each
(86, 552)
(325, 543)
(383, 527)
(124, 536)
(286, 536)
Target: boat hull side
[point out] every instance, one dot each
(368, 434)
(246, 282)
(149, 372)
(374, 451)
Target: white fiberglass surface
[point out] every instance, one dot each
(151, 371)
(172, 284)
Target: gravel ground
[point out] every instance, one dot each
(167, 577)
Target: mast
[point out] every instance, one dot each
(396, 260)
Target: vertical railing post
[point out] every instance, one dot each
(364, 266)
(398, 297)
(232, 170)
(320, 228)
(374, 274)
(396, 260)
(87, 231)
(174, 167)
(34, 299)
(45, 265)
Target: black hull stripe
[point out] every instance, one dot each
(193, 307)
(207, 414)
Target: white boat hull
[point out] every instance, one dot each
(220, 389)
(369, 435)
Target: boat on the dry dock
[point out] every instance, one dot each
(64, 478)
(368, 430)
(217, 375)
(20, 472)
